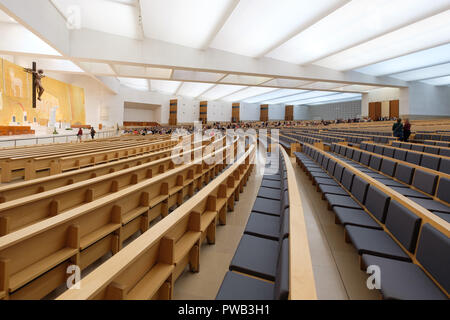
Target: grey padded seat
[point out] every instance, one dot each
(257, 257)
(432, 150)
(341, 201)
(376, 175)
(407, 192)
(271, 184)
(444, 216)
(322, 174)
(332, 190)
(416, 147)
(403, 280)
(388, 167)
(375, 242)
(268, 227)
(445, 166)
(359, 189)
(269, 193)
(432, 205)
(272, 177)
(444, 187)
(389, 152)
(326, 181)
(377, 202)
(375, 163)
(355, 217)
(267, 206)
(240, 287)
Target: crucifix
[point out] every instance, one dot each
(38, 75)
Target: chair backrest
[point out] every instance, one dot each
(404, 173)
(338, 148)
(388, 152)
(349, 153)
(281, 287)
(431, 162)
(433, 150)
(433, 253)
(378, 149)
(443, 191)
(370, 147)
(388, 167)
(365, 158)
(417, 147)
(413, 157)
(357, 155)
(359, 189)
(377, 202)
(445, 166)
(425, 181)
(347, 179)
(331, 166)
(343, 150)
(403, 224)
(444, 152)
(400, 154)
(375, 163)
(338, 172)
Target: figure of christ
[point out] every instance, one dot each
(38, 76)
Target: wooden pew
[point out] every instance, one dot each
(147, 268)
(25, 188)
(19, 213)
(81, 236)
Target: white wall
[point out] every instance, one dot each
(301, 113)
(131, 114)
(277, 111)
(429, 100)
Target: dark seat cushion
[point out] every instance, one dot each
(391, 183)
(375, 242)
(355, 217)
(272, 177)
(240, 287)
(341, 201)
(400, 154)
(332, 190)
(433, 252)
(267, 206)
(407, 192)
(281, 290)
(271, 184)
(263, 226)
(257, 257)
(269, 193)
(413, 157)
(432, 205)
(328, 182)
(403, 280)
(320, 175)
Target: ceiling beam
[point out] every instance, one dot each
(220, 23)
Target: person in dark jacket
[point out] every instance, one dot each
(397, 128)
(406, 130)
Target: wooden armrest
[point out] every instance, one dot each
(154, 202)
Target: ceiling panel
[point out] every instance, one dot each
(330, 98)
(193, 89)
(221, 90)
(357, 87)
(139, 71)
(98, 68)
(137, 84)
(442, 81)
(164, 86)
(188, 23)
(242, 79)
(427, 33)
(302, 96)
(273, 95)
(420, 59)
(323, 85)
(424, 73)
(197, 75)
(247, 93)
(257, 25)
(54, 65)
(114, 17)
(352, 24)
(286, 83)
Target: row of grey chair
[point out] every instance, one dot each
(259, 269)
(427, 148)
(352, 198)
(430, 161)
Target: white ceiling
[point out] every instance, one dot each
(407, 40)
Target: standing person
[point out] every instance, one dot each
(406, 130)
(93, 132)
(79, 134)
(397, 129)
